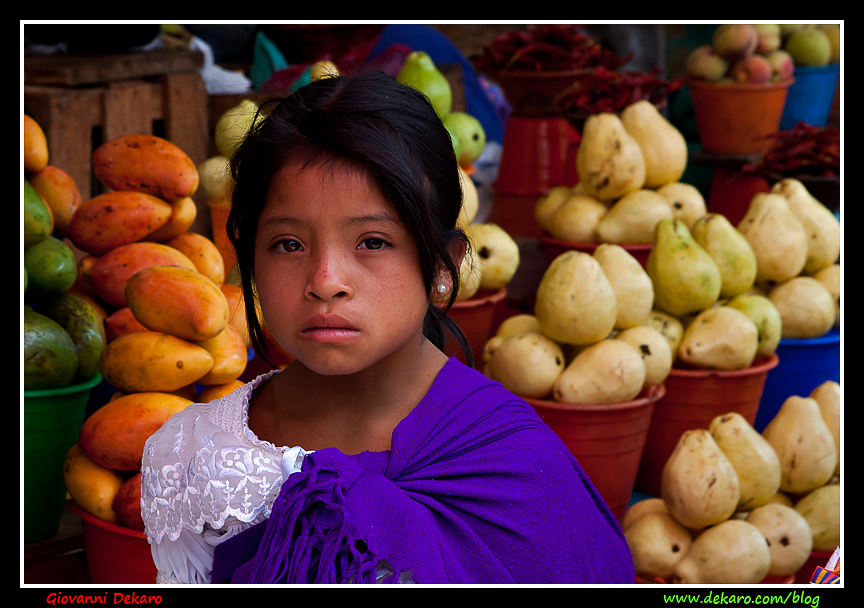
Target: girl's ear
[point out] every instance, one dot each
(457, 249)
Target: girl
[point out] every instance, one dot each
(373, 456)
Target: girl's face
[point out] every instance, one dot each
(337, 272)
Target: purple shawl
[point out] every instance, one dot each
(476, 489)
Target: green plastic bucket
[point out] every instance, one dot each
(52, 423)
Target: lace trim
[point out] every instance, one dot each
(206, 468)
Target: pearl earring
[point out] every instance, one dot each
(442, 288)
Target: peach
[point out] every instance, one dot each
(735, 41)
(703, 63)
(782, 65)
(768, 35)
(754, 69)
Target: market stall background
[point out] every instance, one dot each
(178, 82)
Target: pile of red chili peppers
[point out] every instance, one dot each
(557, 48)
(803, 150)
(546, 48)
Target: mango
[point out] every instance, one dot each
(51, 269)
(93, 487)
(35, 155)
(114, 435)
(110, 272)
(153, 361)
(38, 219)
(60, 192)
(83, 323)
(121, 322)
(217, 391)
(146, 163)
(177, 301)
(48, 357)
(127, 503)
(184, 212)
(237, 310)
(229, 357)
(203, 253)
(112, 219)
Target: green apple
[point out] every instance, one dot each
(472, 136)
(809, 47)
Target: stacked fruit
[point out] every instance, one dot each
(175, 332)
(63, 329)
(737, 506)
(764, 52)
(630, 166)
(591, 338)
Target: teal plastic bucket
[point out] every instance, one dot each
(804, 365)
(810, 96)
(52, 424)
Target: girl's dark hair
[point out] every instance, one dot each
(388, 130)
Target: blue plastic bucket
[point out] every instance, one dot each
(810, 96)
(804, 365)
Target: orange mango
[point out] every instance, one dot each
(112, 219)
(60, 193)
(203, 253)
(184, 211)
(229, 357)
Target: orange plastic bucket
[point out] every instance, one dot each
(737, 119)
(115, 555)
(693, 399)
(553, 247)
(607, 440)
(218, 220)
(475, 318)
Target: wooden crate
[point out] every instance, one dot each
(83, 101)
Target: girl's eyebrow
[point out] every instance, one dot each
(373, 218)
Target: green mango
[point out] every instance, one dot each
(50, 359)
(83, 323)
(37, 217)
(51, 269)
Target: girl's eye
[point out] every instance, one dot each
(289, 245)
(373, 244)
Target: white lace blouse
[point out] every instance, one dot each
(205, 477)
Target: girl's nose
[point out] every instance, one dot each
(329, 276)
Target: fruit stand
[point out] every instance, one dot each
(655, 267)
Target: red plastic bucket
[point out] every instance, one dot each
(817, 558)
(693, 399)
(475, 318)
(607, 440)
(115, 555)
(737, 119)
(553, 247)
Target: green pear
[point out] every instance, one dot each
(806, 307)
(608, 371)
(720, 338)
(731, 251)
(633, 218)
(766, 318)
(822, 227)
(575, 303)
(822, 508)
(790, 540)
(663, 146)
(698, 484)
(686, 200)
(657, 543)
(832, 278)
(804, 445)
(830, 399)
(777, 237)
(753, 458)
(654, 349)
(527, 364)
(634, 292)
(609, 160)
(497, 254)
(669, 327)
(420, 72)
(576, 219)
(548, 203)
(685, 276)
